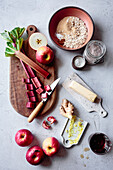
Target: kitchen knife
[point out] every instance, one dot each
(40, 105)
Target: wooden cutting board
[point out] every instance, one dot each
(18, 91)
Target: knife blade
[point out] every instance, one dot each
(40, 105)
(53, 85)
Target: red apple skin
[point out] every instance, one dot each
(50, 146)
(35, 155)
(23, 137)
(44, 55)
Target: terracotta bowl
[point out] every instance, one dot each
(70, 11)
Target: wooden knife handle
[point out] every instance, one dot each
(35, 112)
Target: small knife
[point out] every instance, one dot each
(40, 105)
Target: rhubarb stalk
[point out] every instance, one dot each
(31, 63)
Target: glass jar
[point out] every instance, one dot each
(99, 143)
(94, 51)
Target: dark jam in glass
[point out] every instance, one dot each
(100, 143)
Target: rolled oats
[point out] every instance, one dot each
(73, 31)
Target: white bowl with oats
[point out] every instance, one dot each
(71, 28)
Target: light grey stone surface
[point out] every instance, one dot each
(99, 78)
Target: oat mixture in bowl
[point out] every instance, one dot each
(71, 28)
(72, 32)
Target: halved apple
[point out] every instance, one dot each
(37, 40)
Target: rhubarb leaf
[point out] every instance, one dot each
(9, 52)
(17, 32)
(10, 45)
(14, 40)
(14, 32)
(8, 55)
(21, 31)
(19, 43)
(6, 36)
(11, 37)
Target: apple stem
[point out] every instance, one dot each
(22, 136)
(34, 156)
(45, 56)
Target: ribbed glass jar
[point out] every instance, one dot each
(94, 51)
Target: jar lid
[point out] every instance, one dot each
(78, 62)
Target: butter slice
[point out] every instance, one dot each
(83, 91)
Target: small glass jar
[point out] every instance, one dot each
(94, 51)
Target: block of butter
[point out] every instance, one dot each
(83, 91)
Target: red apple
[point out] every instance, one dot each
(23, 137)
(50, 146)
(44, 55)
(34, 155)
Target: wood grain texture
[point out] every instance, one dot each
(18, 96)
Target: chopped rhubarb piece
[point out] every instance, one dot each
(27, 81)
(44, 95)
(51, 119)
(47, 88)
(30, 94)
(29, 86)
(32, 99)
(45, 124)
(30, 105)
(36, 82)
(39, 90)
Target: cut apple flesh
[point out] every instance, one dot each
(37, 40)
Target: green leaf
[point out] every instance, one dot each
(11, 37)
(14, 32)
(19, 43)
(8, 55)
(21, 31)
(9, 52)
(9, 44)
(6, 36)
